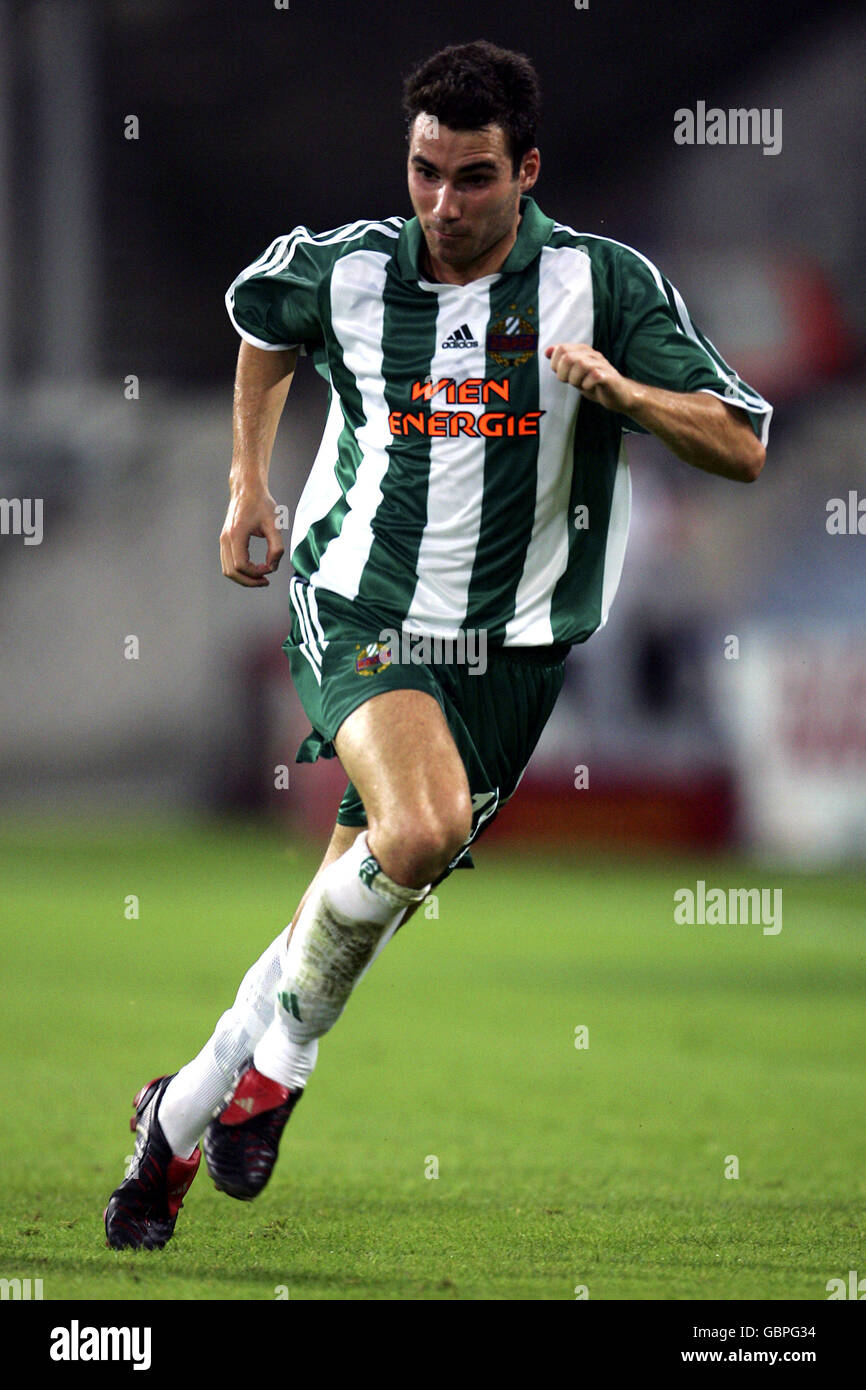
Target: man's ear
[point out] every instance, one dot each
(530, 167)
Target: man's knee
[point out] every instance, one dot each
(415, 845)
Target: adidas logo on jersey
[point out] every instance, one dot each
(461, 338)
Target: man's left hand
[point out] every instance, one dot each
(697, 426)
(582, 366)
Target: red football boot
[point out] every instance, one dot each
(240, 1146)
(142, 1211)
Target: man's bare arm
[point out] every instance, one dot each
(262, 383)
(699, 428)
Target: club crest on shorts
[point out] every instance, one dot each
(512, 340)
(373, 658)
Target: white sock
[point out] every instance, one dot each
(347, 919)
(200, 1087)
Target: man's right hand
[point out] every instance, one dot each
(250, 514)
(262, 383)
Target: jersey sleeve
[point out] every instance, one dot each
(653, 340)
(273, 304)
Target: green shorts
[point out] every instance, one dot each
(496, 700)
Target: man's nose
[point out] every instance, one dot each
(447, 206)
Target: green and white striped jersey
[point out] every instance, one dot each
(459, 484)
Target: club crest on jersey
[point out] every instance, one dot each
(512, 340)
(373, 658)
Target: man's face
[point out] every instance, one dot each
(463, 189)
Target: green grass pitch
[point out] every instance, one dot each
(559, 1167)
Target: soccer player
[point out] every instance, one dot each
(483, 361)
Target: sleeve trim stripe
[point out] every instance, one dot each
(764, 410)
(654, 271)
(272, 254)
(259, 342)
(279, 249)
(279, 254)
(679, 309)
(304, 238)
(274, 261)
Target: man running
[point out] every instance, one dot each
(470, 491)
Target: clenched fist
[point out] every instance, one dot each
(582, 366)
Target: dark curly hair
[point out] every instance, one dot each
(470, 85)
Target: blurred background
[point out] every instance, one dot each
(149, 151)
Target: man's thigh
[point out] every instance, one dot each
(339, 662)
(414, 731)
(496, 719)
(401, 755)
